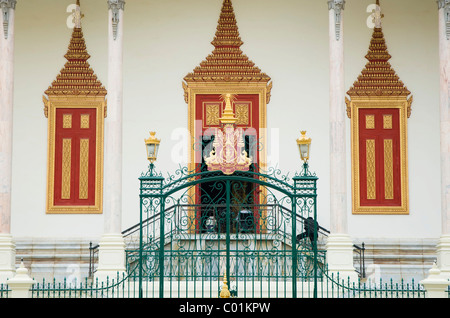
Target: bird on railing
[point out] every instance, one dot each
(311, 227)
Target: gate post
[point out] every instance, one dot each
(305, 187)
(21, 283)
(151, 188)
(294, 247)
(435, 284)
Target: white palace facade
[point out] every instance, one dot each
(83, 84)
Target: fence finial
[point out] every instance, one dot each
(225, 293)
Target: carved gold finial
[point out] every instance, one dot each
(225, 293)
(377, 15)
(378, 78)
(228, 114)
(77, 77)
(78, 15)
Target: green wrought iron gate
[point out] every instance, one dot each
(196, 227)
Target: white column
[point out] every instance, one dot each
(338, 184)
(339, 243)
(443, 247)
(112, 246)
(7, 246)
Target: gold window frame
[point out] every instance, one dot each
(66, 102)
(263, 90)
(378, 103)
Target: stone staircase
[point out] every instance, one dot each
(57, 259)
(405, 259)
(68, 259)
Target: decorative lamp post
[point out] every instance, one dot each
(150, 182)
(304, 146)
(152, 146)
(307, 182)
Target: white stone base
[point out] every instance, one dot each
(21, 283)
(435, 284)
(443, 255)
(111, 258)
(7, 257)
(340, 257)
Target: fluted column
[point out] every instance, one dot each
(112, 247)
(443, 248)
(339, 244)
(7, 246)
(338, 169)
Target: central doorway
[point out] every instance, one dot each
(244, 202)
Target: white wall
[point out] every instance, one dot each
(165, 40)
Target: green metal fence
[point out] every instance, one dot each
(117, 287)
(335, 287)
(331, 287)
(4, 291)
(257, 229)
(201, 225)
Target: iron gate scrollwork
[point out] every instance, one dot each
(198, 226)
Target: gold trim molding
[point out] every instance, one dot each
(76, 86)
(191, 90)
(236, 89)
(64, 102)
(377, 87)
(355, 105)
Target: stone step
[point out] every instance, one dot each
(406, 259)
(384, 259)
(54, 259)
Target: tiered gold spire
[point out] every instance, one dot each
(227, 62)
(77, 77)
(378, 78)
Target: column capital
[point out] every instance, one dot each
(337, 6)
(6, 6)
(445, 5)
(340, 4)
(10, 4)
(115, 6)
(442, 3)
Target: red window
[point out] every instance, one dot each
(379, 157)
(75, 157)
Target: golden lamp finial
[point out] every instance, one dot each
(152, 145)
(304, 144)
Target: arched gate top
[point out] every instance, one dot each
(154, 184)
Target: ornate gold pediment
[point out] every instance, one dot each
(378, 107)
(76, 77)
(75, 105)
(227, 62)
